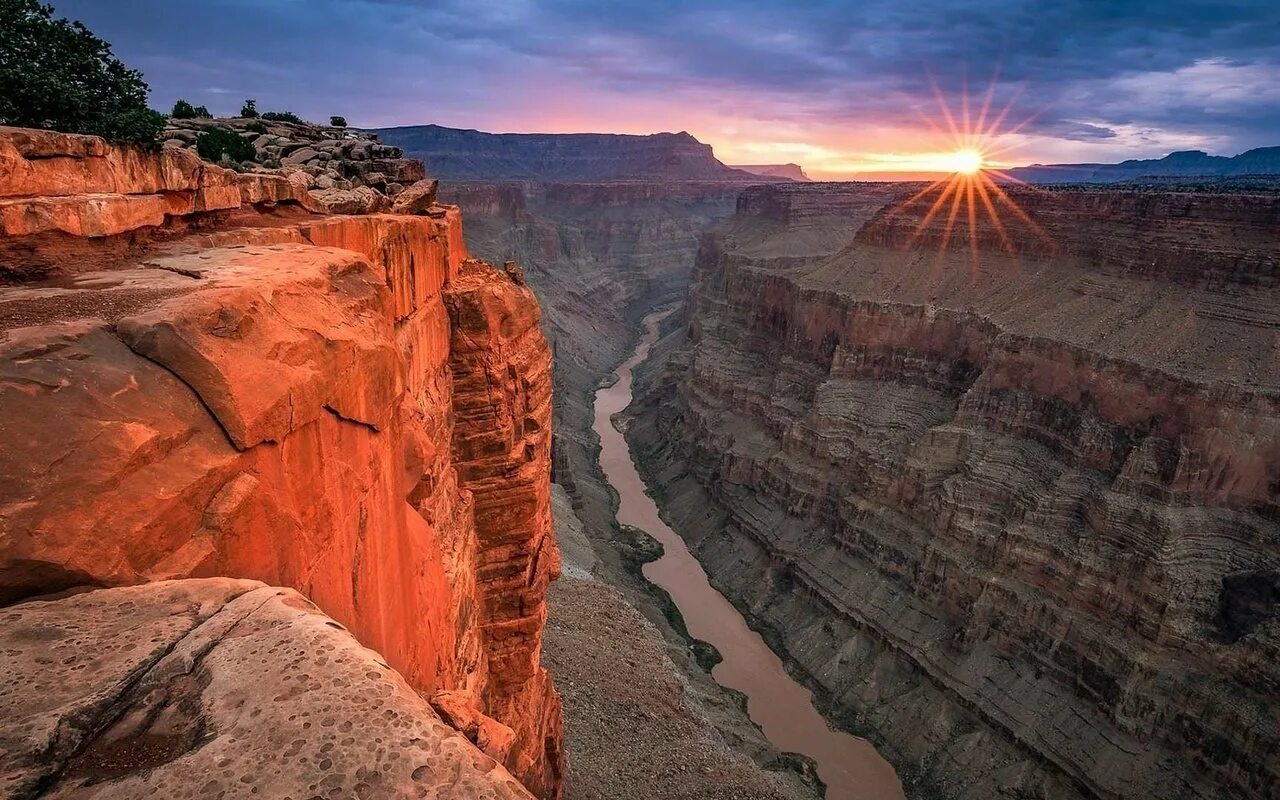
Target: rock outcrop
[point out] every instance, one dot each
(456, 154)
(235, 386)
(328, 157)
(1015, 513)
(216, 688)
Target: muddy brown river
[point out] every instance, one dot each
(784, 710)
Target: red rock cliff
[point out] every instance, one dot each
(212, 381)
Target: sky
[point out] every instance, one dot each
(846, 89)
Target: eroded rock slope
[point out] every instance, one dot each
(200, 376)
(1014, 510)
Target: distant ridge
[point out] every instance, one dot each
(792, 171)
(458, 154)
(1182, 164)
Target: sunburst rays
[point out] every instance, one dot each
(972, 194)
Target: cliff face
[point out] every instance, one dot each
(212, 381)
(599, 255)
(455, 154)
(1016, 516)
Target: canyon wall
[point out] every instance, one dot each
(202, 377)
(600, 256)
(1012, 508)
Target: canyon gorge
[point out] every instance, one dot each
(1011, 510)
(334, 496)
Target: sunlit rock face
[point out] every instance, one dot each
(206, 687)
(236, 386)
(1017, 514)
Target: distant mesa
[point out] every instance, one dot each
(1184, 164)
(790, 171)
(457, 154)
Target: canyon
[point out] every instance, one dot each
(1009, 508)
(213, 388)
(600, 256)
(278, 468)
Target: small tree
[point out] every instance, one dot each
(56, 74)
(215, 143)
(249, 109)
(183, 110)
(282, 116)
(202, 112)
(338, 122)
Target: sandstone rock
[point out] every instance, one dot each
(37, 163)
(360, 200)
(164, 689)
(277, 396)
(300, 155)
(417, 198)
(461, 711)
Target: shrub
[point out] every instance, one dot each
(256, 127)
(183, 110)
(282, 116)
(217, 143)
(338, 122)
(202, 112)
(249, 109)
(56, 74)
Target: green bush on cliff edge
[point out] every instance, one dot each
(56, 74)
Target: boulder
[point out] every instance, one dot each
(417, 198)
(360, 200)
(300, 155)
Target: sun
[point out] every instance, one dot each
(971, 187)
(966, 162)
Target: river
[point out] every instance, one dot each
(849, 766)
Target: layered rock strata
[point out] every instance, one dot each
(1013, 509)
(234, 386)
(176, 689)
(600, 256)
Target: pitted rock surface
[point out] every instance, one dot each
(216, 688)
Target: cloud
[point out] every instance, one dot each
(829, 74)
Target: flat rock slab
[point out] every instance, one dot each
(215, 688)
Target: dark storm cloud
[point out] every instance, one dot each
(1089, 71)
